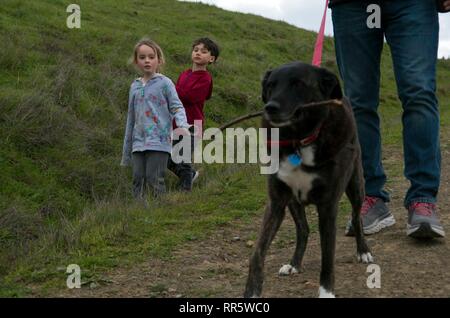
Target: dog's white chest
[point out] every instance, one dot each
(295, 177)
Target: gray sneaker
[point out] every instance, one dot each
(423, 222)
(375, 216)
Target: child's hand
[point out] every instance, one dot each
(184, 131)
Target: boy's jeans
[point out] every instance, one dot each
(411, 28)
(183, 170)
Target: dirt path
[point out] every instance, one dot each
(218, 267)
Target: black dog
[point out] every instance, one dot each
(320, 159)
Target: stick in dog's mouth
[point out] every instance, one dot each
(331, 102)
(293, 116)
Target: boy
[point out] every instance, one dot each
(194, 87)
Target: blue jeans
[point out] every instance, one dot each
(411, 28)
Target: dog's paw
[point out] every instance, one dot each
(365, 258)
(323, 293)
(251, 294)
(287, 270)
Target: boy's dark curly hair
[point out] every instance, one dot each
(210, 45)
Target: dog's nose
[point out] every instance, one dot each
(272, 108)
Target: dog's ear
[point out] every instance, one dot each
(264, 86)
(329, 84)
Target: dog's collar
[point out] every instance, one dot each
(296, 143)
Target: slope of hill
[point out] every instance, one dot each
(63, 99)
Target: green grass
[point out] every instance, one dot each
(112, 233)
(63, 101)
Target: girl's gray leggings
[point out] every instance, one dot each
(149, 169)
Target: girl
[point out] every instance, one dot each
(153, 103)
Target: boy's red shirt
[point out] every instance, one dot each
(194, 89)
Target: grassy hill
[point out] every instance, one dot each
(63, 101)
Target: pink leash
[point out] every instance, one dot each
(317, 57)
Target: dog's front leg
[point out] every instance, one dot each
(273, 217)
(302, 230)
(327, 228)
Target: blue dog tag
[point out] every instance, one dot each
(295, 160)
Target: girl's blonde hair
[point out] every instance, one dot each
(155, 47)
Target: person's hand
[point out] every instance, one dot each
(447, 5)
(184, 131)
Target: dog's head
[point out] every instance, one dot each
(288, 87)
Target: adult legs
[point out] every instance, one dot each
(358, 53)
(412, 32)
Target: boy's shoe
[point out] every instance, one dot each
(423, 222)
(375, 216)
(195, 175)
(187, 182)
